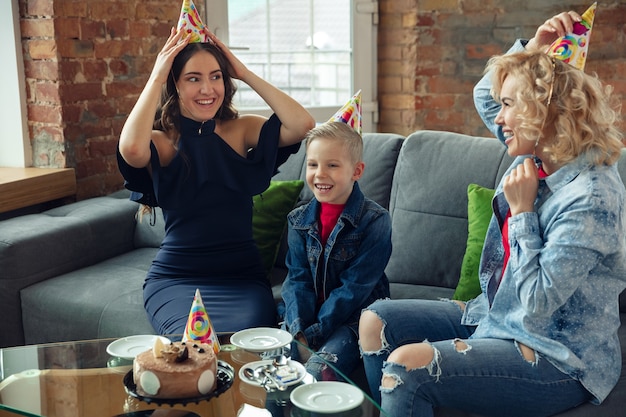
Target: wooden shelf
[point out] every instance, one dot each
(23, 187)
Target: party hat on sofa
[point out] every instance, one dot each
(190, 22)
(199, 327)
(350, 113)
(572, 48)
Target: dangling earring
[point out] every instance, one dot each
(535, 157)
(549, 100)
(175, 86)
(535, 148)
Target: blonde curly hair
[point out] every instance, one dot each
(574, 112)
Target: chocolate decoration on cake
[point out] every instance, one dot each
(175, 353)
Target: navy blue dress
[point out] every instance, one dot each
(206, 196)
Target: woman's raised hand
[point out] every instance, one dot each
(237, 69)
(163, 64)
(137, 131)
(553, 28)
(296, 120)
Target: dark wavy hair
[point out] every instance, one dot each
(168, 115)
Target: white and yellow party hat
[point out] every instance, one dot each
(573, 47)
(199, 327)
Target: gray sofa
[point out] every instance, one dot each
(76, 272)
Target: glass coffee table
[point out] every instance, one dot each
(81, 379)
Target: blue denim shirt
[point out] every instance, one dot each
(567, 267)
(348, 271)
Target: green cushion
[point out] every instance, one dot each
(478, 216)
(269, 217)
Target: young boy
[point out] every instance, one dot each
(339, 246)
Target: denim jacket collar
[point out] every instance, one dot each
(548, 185)
(351, 213)
(566, 174)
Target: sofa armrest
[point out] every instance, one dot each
(37, 247)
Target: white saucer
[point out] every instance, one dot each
(261, 339)
(294, 364)
(131, 346)
(327, 397)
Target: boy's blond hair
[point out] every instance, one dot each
(340, 132)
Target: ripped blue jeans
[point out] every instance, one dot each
(490, 377)
(341, 350)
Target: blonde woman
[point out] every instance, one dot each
(542, 336)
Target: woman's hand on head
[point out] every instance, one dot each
(520, 187)
(137, 132)
(236, 68)
(295, 119)
(163, 64)
(553, 28)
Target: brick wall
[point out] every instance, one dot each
(432, 52)
(86, 62)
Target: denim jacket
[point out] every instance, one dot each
(348, 271)
(567, 267)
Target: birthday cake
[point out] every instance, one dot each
(178, 370)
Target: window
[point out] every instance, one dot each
(14, 145)
(318, 51)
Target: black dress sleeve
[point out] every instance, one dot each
(138, 181)
(268, 145)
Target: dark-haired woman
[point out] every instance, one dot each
(185, 148)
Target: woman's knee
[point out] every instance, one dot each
(370, 331)
(409, 357)
(413, 356)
